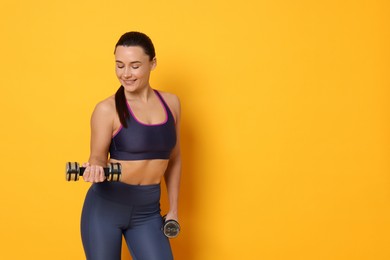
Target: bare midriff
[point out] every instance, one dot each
(142, 172)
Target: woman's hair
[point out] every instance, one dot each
(131, 39)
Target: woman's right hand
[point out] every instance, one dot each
(93, 173)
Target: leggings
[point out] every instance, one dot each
(114, 209)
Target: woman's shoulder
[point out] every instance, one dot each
(106, 106)
(170, 98)
(172, 101)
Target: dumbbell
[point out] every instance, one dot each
(171, 228)
(73, 171)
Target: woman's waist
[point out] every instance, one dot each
(134, 195)
(142, 172)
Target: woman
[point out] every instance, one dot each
(139, 128)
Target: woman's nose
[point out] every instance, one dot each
(127, 73)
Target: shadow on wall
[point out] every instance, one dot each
(184, 245)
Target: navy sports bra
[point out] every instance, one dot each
(141, 141)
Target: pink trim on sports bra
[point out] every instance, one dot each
(161, 102)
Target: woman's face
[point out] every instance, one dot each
(133, 67)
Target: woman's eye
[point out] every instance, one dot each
(120, 67)
(135, 67)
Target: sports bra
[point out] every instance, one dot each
(141, 141)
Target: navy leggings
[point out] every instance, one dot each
(115, 209)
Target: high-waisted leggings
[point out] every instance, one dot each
(113, 210)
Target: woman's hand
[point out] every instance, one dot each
(93, 173)
(171, 215)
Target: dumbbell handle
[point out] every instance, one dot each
(106, 171)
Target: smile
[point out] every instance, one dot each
(129, 82)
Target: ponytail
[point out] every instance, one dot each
(121, 106)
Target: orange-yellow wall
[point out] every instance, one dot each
(285, 122)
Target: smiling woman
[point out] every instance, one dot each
(133, 67)
(139, 128)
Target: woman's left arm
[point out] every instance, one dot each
(173, 172)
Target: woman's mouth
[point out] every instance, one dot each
(129, 82)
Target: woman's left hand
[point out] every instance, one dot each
(171, 215)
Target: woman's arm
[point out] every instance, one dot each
(101, 131)
(173, 172)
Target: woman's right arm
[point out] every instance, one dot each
(101, 132)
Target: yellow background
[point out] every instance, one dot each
(285, 122)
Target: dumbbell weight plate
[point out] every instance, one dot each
(114, 172)
(171, 228)
(72, 171)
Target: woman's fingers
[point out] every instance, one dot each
(86, 173)
(172, 216)
(94, 173)
(102, 176)
(86, 164)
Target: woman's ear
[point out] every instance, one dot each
(154, 63)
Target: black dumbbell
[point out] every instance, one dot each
(73, 171)
(171, 228)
